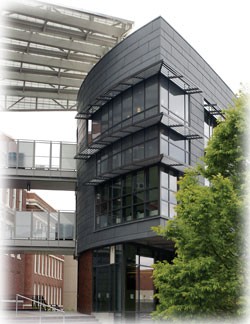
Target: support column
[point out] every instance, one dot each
(85, 283)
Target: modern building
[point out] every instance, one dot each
(145, 112)
(146, 108)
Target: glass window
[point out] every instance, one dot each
(110, 108)
(164, 208)
(98, 166)
(151, 92)
(151, 132)
(164, 179)
(152, 208)
(139, 197)
(117, 110)
(187, 98)
(126, 142)
(153, 194)
(138, 98)
(164, 92)
(138, 137)
(176, 100)
(209, 124)
(127, 214)
(127, 200)
(117, 217)
(138, 152)
(127, 104)
(116, 161)
(127, 156)
(105, 118)
(116, 188)
(133, 196)
(172, 182)
(117, 203)
(177, 153)
(153, 177)
(139, 211)
(116, 147)
(172, 197)
(127, 184)
(171, 210)
(139, 180)
(151, 112)
(151, 148)
(104, 163)
(103, 220)
(105, 192)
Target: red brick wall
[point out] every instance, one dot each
(85, 280)
(29, 274)
(14, 269)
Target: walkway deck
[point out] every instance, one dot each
(44, 165)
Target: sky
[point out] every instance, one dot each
(217, 29)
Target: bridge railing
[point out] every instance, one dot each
(44, 155)
(38, 225)
(37, 303)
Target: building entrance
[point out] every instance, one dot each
(123, 281)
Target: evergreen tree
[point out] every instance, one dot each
(206, 278)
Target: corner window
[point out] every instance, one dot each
(174, 145)
(174, 101)
(127, 198)
(168, 190)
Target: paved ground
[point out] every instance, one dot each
(36, 317)
(46, 317)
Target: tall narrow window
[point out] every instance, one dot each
(138, 98)
(209, 122)
(127, 104)
(117, 110)
(105, 118)
(176, 101)
(151, 96)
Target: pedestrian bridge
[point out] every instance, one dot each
(29, 164)
(34, 231)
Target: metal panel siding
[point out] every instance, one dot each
(119, 234)
(125, 59)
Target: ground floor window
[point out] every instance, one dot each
(122, 278)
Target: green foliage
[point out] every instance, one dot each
(226, 151)
(206, 278)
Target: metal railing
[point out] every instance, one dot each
(42, 155)
(38, 225)
(40, 305)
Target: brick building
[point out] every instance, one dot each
(31, 274)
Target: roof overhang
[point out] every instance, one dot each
(48, 50)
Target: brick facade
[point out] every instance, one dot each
(29, 274)
(85, 282)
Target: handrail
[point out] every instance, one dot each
(38, 303)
